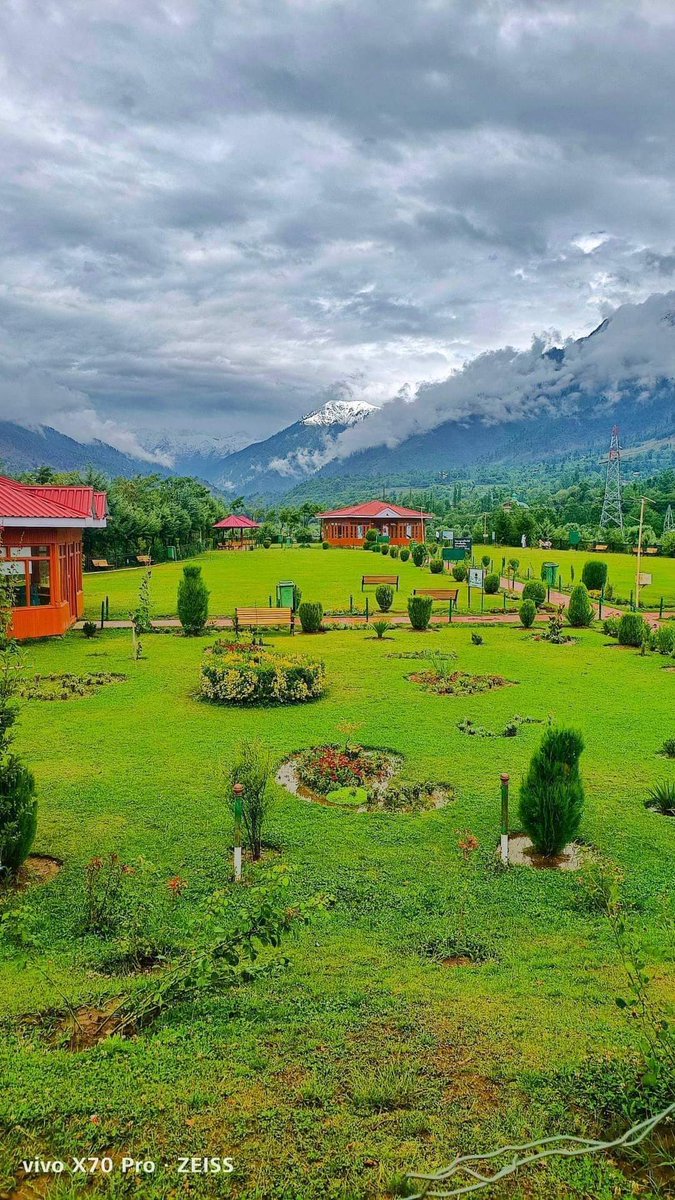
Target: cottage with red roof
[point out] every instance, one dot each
(349, 526)
(41, 551)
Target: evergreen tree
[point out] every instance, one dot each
(552, 794)
(193, 600)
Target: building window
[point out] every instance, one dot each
(408, 531)
(28, 569)
(359, 531)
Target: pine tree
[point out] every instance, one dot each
(552, 794)
(193, 601)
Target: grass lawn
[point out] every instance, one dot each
(360, 1057)
(332, 576)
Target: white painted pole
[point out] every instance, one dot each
(238, 793)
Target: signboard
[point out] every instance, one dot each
(645, 578)
(476, 577)
(464, 543)
(448, 535)
(455, 555)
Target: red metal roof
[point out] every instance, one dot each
(47, 503)
(374, 509)
(235, 521)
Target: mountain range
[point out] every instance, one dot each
(505, 407)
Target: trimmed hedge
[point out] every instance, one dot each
(632, 629)
(534, 590)
(419, 555)
(310, 616)
(580, 611)
(18, 813)
(491, 585)
(527, 612)
(384, 594)
(419, 611)
(436, 566)
(246, 676)
(405, 554)
(594, 574)
(459, 572)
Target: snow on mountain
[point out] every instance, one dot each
(339, 412)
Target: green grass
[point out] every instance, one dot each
(332, 576)
(362, 1057)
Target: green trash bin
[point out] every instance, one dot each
(549, 573)
(285, 593)
(575, 538)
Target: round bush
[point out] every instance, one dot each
(580, 611)
(632, 629)
(594, 574)
(491, 585)
(419, 611)
(419, 555)
(325, 545)
(371, 535)
(384, 549)
(405, 554)
(18, 813)
(393, 551)
(310, 616)
(527, 612)
(459, 572)
(241, 676)
(384, 594)
(266, 544)
(436, 566)
(664, 639)
(534, 590)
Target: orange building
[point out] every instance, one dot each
(349, 526)
(41, 550)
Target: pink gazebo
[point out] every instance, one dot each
(238, 532)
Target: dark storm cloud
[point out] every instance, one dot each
(214, 212)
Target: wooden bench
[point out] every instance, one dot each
(144, 560)
(376, 580)
(101, 564)
(448, 594)
(651, 550)
(263, 618)
(599, 546)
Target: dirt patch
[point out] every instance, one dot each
(37, 869)
(30, 1187)
(83, 1027)
(458, 683)
(457, 960)
(523, 854)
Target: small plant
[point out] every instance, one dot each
(419, 555)
(405, 554)
(580, 611)
(381, 627)
(552, 794)
(436, 566)
(325, 545)
(527, 612)
(664, 639)
(384, 548)
(311, 615)
(384, 594)
(661, 799)
(459, 572)
(419, 611)
(594, 574)
(668, 748)
(89, 629)
(485, 562)
(371, 535)
(610, 626)
(18, 813)
(476, 639)
(393, 551)
(267, 543)
(491, 585)
(534, 590)
(193, 601)
(252, 768)
(632, 629)
(554, 630)
(514, 563)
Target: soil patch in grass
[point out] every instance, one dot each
(37, 869)
(523, 854)
(67, 686)
(458, 683)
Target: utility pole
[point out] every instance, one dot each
(612, 512)
(639, 553)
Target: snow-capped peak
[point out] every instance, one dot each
(339, 412)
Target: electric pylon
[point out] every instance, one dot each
(669, 520)
(612, 512)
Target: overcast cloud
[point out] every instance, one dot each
(214, 213)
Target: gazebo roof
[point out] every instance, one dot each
(236, 521)
(376, 510)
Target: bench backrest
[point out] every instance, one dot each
(438, 593)
(368, 580)
(100, 562)
(600, 546)
(264, 616)
(143, 559)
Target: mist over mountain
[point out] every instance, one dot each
(26, 449)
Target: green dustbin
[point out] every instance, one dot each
(285, 593)
(575, 537)
(549, 573)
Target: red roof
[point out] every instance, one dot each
(235, 521)
(374, 510)
(50, 505)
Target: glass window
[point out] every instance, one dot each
(40, 582)
(17, 575)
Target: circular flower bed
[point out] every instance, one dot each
(66, 686)
(360, 778)
(457, 683)
(245, 673)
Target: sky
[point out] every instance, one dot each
(217, 214)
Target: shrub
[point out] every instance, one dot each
(393, 551)
(664, 639)
(405, 554)
(381, 627)
(303, 537)
(384, 548)
(534, 590)
(514, 563)
(668, 544)
(310, 615)
(459, 572)
(610, 626)
(384, 594)
(662, 799)
(193, 601)
(325, 545)
(552, 794)
(255, 676)
(436, 566)
(419, 611)
(18, 813)
(419, 555)
(580, 611)
(632, 629)
(491, 585)
(594, 574)
(89, 629)
(252, 768)
(485, 561)
(668, 748)
(371, 535)
(527, 612)
(266, 544)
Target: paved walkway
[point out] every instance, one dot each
(516, 586)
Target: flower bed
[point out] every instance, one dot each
(457, 683)
(359, 778)
(326, 768)
(66, 686)
(248, 674)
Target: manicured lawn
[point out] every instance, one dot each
(332, 576)
(361, 1057)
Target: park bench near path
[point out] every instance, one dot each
(376, 580)
(144, 560)
(448, 595)
(101, 564)
(264, 618)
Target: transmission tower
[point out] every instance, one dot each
(669, 520)
(612, 513)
